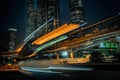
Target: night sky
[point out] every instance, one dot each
(13, 14)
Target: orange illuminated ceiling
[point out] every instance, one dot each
(55, 33)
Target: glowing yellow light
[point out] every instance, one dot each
(55, 33)
(9, 64)
(18, 50)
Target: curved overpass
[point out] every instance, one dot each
(89, 39)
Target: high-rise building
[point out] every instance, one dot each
(76, 11)
(49, 9)
(30, 17)
(11, 39)
(39, 12)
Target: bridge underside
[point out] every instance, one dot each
(89, 40)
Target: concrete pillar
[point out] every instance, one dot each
(72, 54)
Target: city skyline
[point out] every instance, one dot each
(40, 11)
(13, 15)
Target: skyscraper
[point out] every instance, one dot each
(49, 9)
(40, 11)
(11, 39)
(76, 11)
(30, 17)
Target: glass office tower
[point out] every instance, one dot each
(12, 39)
(76, 11)
(39, 12)
(30, 17)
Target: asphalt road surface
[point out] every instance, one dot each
(83, 75)
(13, 75)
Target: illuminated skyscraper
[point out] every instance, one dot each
(76, 10)
(49, 9)
(11, 39)
(39, 12)
(30, 17)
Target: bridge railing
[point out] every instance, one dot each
(113, 22)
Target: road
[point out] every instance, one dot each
(84, 75)
(13, 75)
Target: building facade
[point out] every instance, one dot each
(30, 17)
(11, 39)
(39, 12)
(76, 11)
(49, 9)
